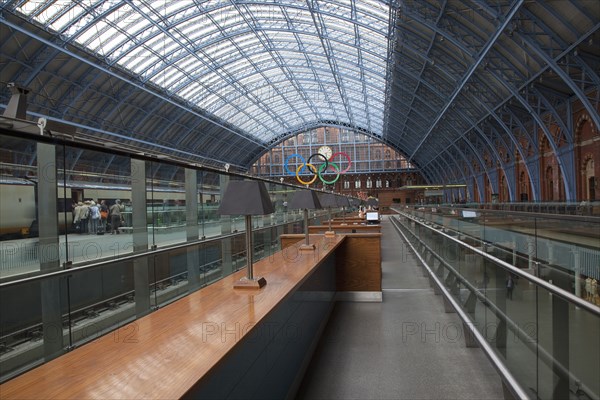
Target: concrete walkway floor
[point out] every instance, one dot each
(406, 347)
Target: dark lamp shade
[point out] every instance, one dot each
(328, 200)
(246, 198)
(305, 199)
(342, 201)
(372, 201)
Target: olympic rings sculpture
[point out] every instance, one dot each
(306, 165)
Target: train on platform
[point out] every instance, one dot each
(19, 208)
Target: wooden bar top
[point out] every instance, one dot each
(163, 354)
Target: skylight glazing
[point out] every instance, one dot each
(264, 67)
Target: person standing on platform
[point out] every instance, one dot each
(115, 216)
(84, 215)
(94, 218)
(103, 215)
(510, 285)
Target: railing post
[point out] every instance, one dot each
(49, 249)
(141, 275)
(192, 233)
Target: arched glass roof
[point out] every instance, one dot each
(462, 88)
(265, 67)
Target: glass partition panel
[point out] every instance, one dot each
(90, 183)
(98, 300)
(552, 247)
(210, 198)
(19, 243)
(165, 203)
(549, 344)
(56, 313)
(21, 329)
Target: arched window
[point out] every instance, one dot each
(590, 180)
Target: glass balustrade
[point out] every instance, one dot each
(531, 314)
(67, 277)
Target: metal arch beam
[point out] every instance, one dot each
(169, 34)
(431, 175)
(506, 129)
(327, 47)
(391, 57)
(426, 55)
(493, 150)
(515, 94)
(347, 76)
(569, 189)
(277, 58)
(440, 32)
(443, 178)
(361, 63)
(565, 77)
(115, 75)
(548, 31)
(482, 54)
(441, 72)
(463, 155)
(479, 133)
(507, 167)
(553, 112)
(430, 87)
(492, 170)
(51, 52)
(448, 174)
(152, 70)
(552, 62)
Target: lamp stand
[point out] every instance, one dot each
(306, 246)
(330, 232)
(344, 215)
(249, 282)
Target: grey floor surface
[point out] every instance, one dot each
(403, 348)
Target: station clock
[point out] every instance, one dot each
(325, 151)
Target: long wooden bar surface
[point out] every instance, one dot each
(165, 353)
(347, 228)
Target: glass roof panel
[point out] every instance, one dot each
(263, 67)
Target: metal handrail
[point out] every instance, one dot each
(516, 271)
(528, 340)
(145, 253)
(511, 382)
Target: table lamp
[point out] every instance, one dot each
(328, 200)
(247, 198)
(305, 199)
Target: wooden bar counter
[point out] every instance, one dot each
(347, 228)
(357, 264)
(176, 351)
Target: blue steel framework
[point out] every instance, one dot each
(461, 88)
